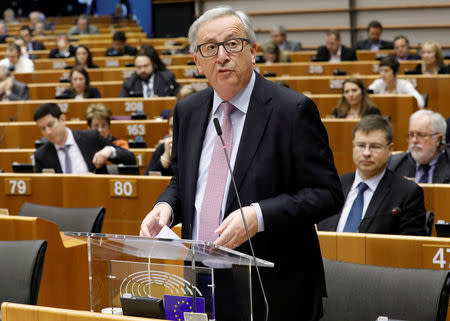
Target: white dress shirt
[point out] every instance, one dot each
(372, 184)
(241, 102)
(149, 85)
(78, 163)
(402, 86)
(23, 65)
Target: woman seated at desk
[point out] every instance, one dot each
(80, 88)
(99, 117)
(83, 57)
(355, 102)
(273, 53)
(432, 60)
(389, 84)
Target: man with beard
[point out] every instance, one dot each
(377, 200)
(151, 77)
(427, 159)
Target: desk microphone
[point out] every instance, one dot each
(219, 133)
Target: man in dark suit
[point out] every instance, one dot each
(427, 159)
(373, 42)
(333, 50)
(120, 47)
(63, 47)
(279, 36)
(25, 33)
(281, 162)
(377, 200)
(401, 47)
(10, 88)
(151, 77)
(70, 151)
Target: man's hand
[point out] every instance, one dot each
(101, 157)
(232, 230)
(159, 216)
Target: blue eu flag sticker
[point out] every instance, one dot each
(175, 306)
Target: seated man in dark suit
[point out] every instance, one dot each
(120, 47)
(279, 36)
(333, 50)
(151, 77)
(25, 33)
(427, 159)
(373, 42)
(63, 47)
(377, 200)
(10, 88)
(401, 47)
(76, 152)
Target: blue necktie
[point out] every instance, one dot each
(424, 177)
(354, 217)
(67, 159)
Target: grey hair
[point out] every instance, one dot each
(438, 123)
(279, 29)
(13, 14)
(218, 12)
(41, 16)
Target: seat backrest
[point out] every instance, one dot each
(365, 292)
(89, 219)
(429, 223)
(21, 266)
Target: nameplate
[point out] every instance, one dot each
(18, 186)
(122, 188)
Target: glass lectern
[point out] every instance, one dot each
(175, 275)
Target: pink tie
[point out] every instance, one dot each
(217, 176)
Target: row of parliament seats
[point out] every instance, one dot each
(185, 71)
(24, 132)
(435, 86)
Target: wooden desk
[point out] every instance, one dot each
(127, 199)
(64, 282)
(24, 312)
(75, 109)
(25, 156)
(24, 134)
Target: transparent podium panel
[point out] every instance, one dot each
(162, 278)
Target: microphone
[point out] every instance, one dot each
(219, 133)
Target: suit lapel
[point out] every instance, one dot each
(382, 191)
(258, 114)
(346, 183)
(53, 158)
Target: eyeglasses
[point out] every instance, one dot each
(373, 147)
(210, 49)
(419, 135)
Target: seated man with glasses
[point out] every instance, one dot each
(377, 200)
(427, 159)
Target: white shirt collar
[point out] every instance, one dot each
(371, 182)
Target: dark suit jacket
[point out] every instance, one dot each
(54, 53)
(164, 85)
(347, 54)
(366, 43)
(410, 57)
(392, 192)
(127, 51)
(404, 165)
(93, 93)
(37, 45)
(89, 142)
(285, 164)
(445, 69)
(292, 46)
(19, 91)
(155, 163)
